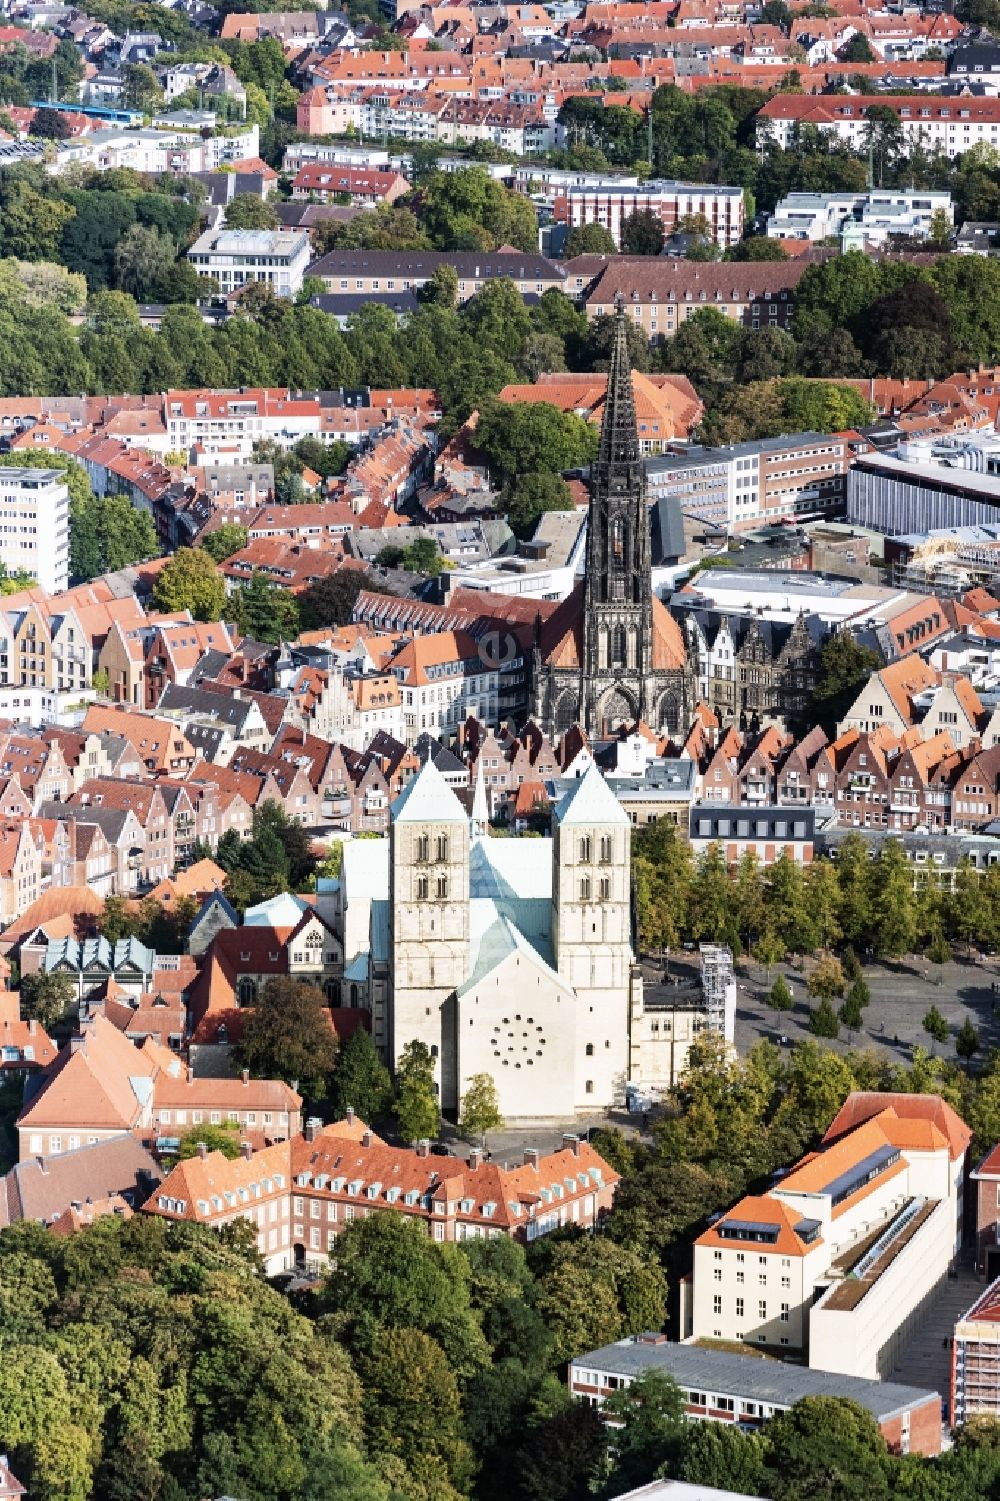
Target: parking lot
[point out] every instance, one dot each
(902, 994)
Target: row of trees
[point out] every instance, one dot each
(858, 901)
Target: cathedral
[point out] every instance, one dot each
(511, 957)
(612, 653)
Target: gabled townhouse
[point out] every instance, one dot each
(976, 790)
(888, 698)
(955, 710)
(147, 801)
(794, 776)
(720, 779)
(20, 871)
(282, 782)
(159, 744)
(83, 855)
(121, 834)
(756, 774)
(173, 650)
(914, 799)
(238, 962)
(39, 766)
(862, 788)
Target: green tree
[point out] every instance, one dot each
(142, 260)
(722, 1456)
(967, 1040)
(589, 239)
(413, 1415)
(935, 1025)
(480, 1108)
(827, 981)
(850, 1013)
(527, 498)
(520, 438)
(857, 50)
(642, 233)
(651, 1413)
(592, 1292)
(331, 599)
(288, 1034)
(823, 1020)
(191, 581)
(224, 1138)
(894, 915)
(416, 1106)
(780, 995)
(469, 210)
(224, 541)
(247, 211)
(829, 1449)
(264, 610)
(141, 90)
(361, 1081)
(46, 998)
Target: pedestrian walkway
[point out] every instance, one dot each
(926, 1359)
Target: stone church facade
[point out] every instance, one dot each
(612, 653)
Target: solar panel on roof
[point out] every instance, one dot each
(863, 1172)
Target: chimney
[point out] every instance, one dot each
(246, 1150)
(349, 1115)
(190, 1073)
(312, 1128)
(571, 1143)
(423, 1147)
(366, 1138)
(32, 1025)
(531, 1157)
(475, 1158)
(246, 1076)
(202, 1150)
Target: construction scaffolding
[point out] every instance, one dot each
(718, 983)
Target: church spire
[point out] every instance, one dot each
(480, 821)
(619, 438)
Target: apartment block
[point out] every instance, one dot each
(610, 203)
(949, 125)
(747, 485)
(659, 292)
(407, 270)
(720, 1387)
(34, 525)
(276, 257)
(837, 1261)
(874, 215)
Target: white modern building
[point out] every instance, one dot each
(874, 216)
(276, 257)
(840, 1258)
(34, 525)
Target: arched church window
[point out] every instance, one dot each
(423, 847)
(605, 889)
(605, 849)
(442, 847)
(585, 848)
(248, 992)
(590, 1050)
(442, 886)
(617, 538)
(585, 889)
(618, 640)
(423, 887)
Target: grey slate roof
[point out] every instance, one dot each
(770, 1381)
